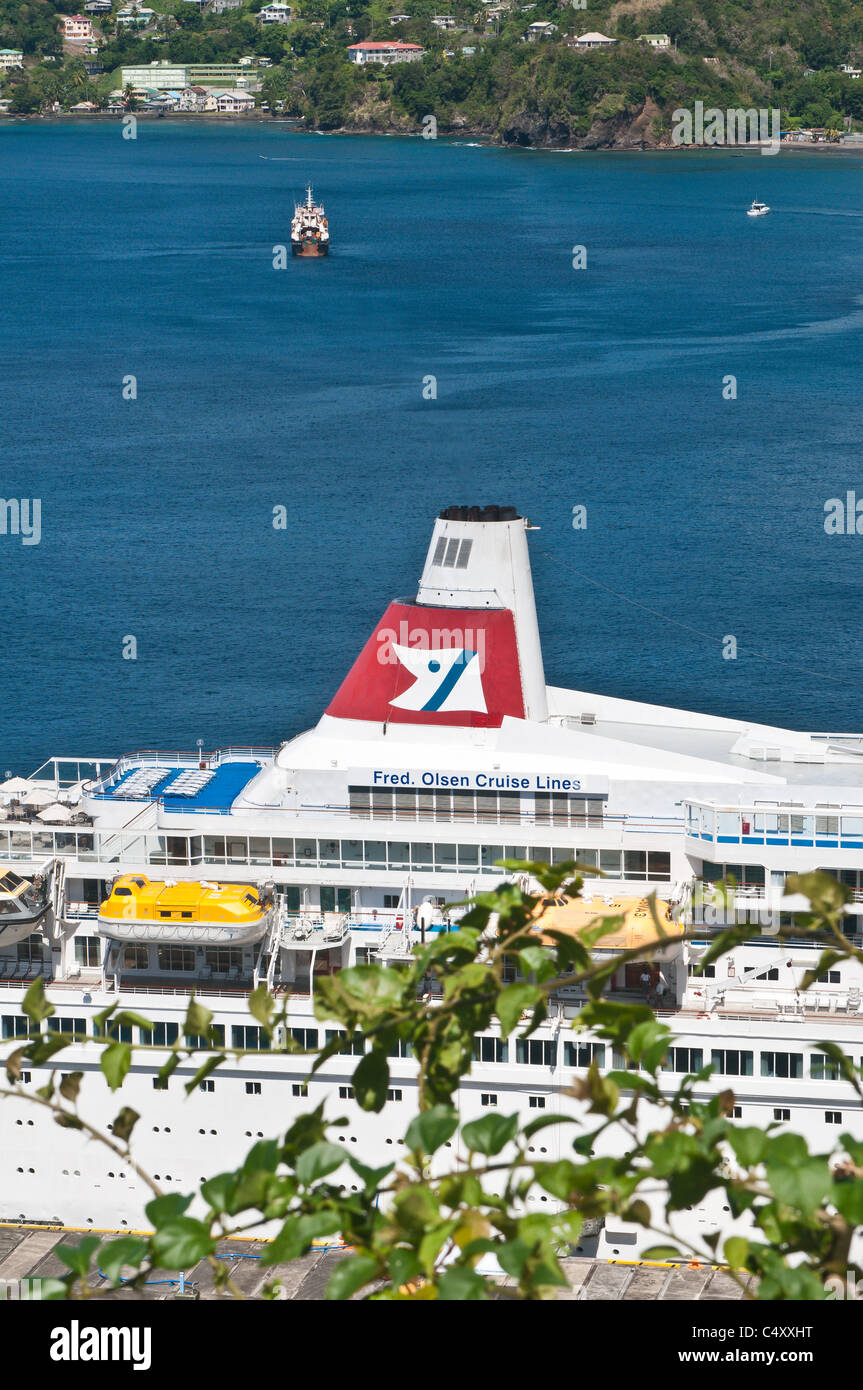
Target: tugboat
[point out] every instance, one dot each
(310, 231)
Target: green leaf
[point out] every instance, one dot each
(115, 1062)
(370, 1080)
(117, 1254)
(317, 1161)
(34, 1004)
(490, 1133)
(297, 1234)
(661, 1252)
(70, 1085)
(124, 1123)
(403, 1265)
(181, 1242)
(162, 1209)
(372, 1177)
(350, 1275)
(214, 1060)
(749, 1145)
(736, 1251)
(460, 1285)
(261, 1006)
(217, 1190)
(198, 1019)
(512, 1002)
(129, 1019)
(803, 1185)
(848, 1198)
(78, 1257)
(433, 1127)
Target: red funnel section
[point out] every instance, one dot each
(441, 666)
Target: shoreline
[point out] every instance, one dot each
(480, 138)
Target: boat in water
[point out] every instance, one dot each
(310, 230)
(444, 751)
(757, 209)
(143, 909)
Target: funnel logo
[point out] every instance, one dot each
(445, 680)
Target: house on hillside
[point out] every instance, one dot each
(541, 29)
(385, 53)
(655, 40)
(234, 103)
(276, 13)
(77, 28)
(594, 40)
(11, 58)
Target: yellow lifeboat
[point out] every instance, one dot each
(143, 909)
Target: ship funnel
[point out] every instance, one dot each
(467, 651)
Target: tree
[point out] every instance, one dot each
(419, 1226)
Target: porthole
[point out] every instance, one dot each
(214, 1131)
(389, 1141)
(89, 1220)
(29, 1122)
(202, 1131)
(20, 1170)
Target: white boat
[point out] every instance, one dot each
(443, 750)
(757, 209)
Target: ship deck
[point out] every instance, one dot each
(28, 1252)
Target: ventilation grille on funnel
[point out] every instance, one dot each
(479, 514)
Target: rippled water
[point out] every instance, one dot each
(303, 388)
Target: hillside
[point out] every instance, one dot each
(726, 53)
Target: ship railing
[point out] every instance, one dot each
(175, 758)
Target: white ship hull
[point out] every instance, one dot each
(424, 771)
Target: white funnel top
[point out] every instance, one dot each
(485, 564)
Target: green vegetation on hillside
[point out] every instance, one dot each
(759, 53)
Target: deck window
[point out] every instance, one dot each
(136, 958)
(729, 1061)
(222, 959)
(18, 1026)
(683, 1059)
(77, 1027)
(823, 1068)
(535, 1052)
(783, 1064)
(249, 1037)
(490, 1050)
(160, 1035)
(177, 958)
(88, 951)
(581, 1054)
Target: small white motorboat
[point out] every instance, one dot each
(757, 209)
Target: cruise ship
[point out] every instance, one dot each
(442, 752)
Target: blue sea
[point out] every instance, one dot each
(302, 387)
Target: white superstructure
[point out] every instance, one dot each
(442, 752)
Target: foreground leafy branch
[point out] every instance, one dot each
(419, 1227)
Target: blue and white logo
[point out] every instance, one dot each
(445, 681)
